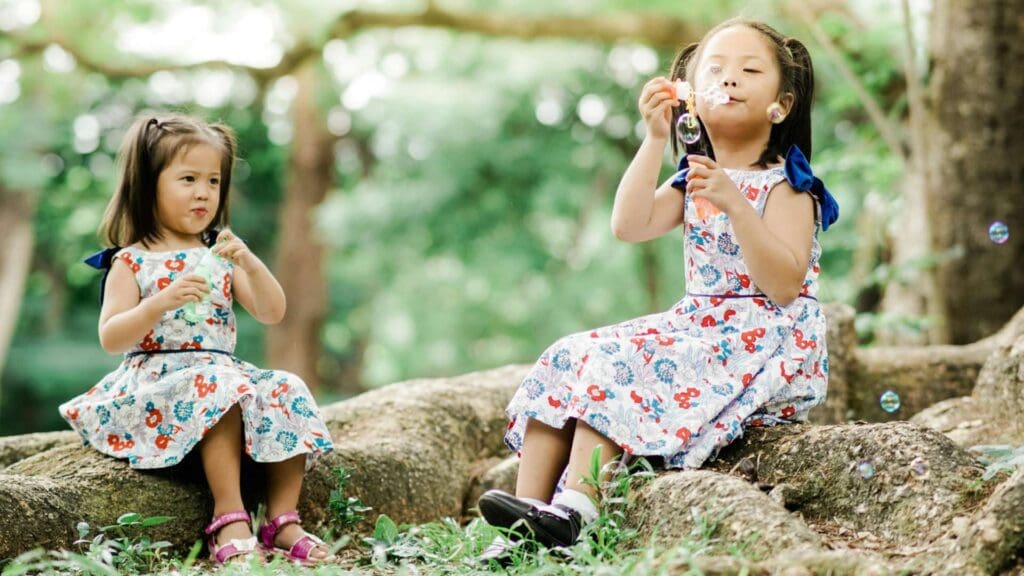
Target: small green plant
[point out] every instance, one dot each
(346, 511)
(119, 548)
(998, 458)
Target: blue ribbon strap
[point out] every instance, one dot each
(800, 177)
(103, 260)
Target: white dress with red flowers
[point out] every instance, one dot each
(683, 383)
(177, 383)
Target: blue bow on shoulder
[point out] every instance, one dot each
(102, 260)
(800, 177)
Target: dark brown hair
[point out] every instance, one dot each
(796, 76)
(150, 144)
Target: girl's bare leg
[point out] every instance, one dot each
(221, 451)
(584, 441)
(284, 483)
(544, 455)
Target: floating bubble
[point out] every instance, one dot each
(919, 466)
(713, 95)
(689, 128)
(998, 232)
(866, 469)
(890, 401)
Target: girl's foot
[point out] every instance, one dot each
(292, 533)
(283, 535)
(231, 537)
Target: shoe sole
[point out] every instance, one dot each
(506, 511)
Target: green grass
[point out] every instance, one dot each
(606, 547)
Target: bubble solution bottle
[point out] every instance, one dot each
(196, 312)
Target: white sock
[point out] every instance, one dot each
(579, 502)
(535, 502)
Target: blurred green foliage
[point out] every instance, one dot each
(470, 223)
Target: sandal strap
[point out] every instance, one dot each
(234, 548)
(224, 519)
(303, 546)
(269, 530)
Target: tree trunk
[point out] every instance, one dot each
(976, 129)
(15, 259)
(294, 344)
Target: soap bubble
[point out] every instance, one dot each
(714, 95)
(866, 469)
(998, 232)
(689, 128)
(919, 466)
(890, 401)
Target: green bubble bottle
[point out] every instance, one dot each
(196, 312)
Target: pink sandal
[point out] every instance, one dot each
(234, 547)
(299, 552)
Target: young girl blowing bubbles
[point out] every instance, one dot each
(179, 384)
(745, 346)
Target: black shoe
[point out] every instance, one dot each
(550, 529)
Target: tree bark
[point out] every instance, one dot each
(294, 344)
(16, 211)
(971, 137)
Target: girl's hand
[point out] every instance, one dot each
(232, 249)
(185, 289)
(657, 99)
(706, 180)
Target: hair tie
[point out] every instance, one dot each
(153, 122)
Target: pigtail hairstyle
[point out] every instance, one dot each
(133, 208)
(678, 71)
(229, 144)
(796, 128)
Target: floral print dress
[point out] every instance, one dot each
(683, 383)
(177, 383)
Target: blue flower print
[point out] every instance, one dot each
(665, 369)
(610, 348)
(561, 360)
(533, 387)
(266, 424)
(726, 245)
(301, 407)
(623, 373)
(709, 274)
(287, 439)
(183, 410)
(104, 415)
(599, 422)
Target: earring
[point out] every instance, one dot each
(775, 115)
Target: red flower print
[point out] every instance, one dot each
(242, 388)
(148, 343)
(801, 343)
(203, 387)
(154, 419)
(227, 286)
(716, 300)
(164, 282)
(127, 258)
(596, 393)
(193, 345)
(281, 389)
(750, 338)
(72, 413)
(788, 412)
(636, 397)
(787, 377)
(683, 434)
(638, 342)
(162, 441)
(175, 265)
(747, 379)
(707, 321)
(728, 314)
(752, 192)
(683, 398)
(665, 340)
(554, 402)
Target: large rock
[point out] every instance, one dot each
(991, 414)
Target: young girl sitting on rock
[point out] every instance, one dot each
(745, 346)
(180, 384)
